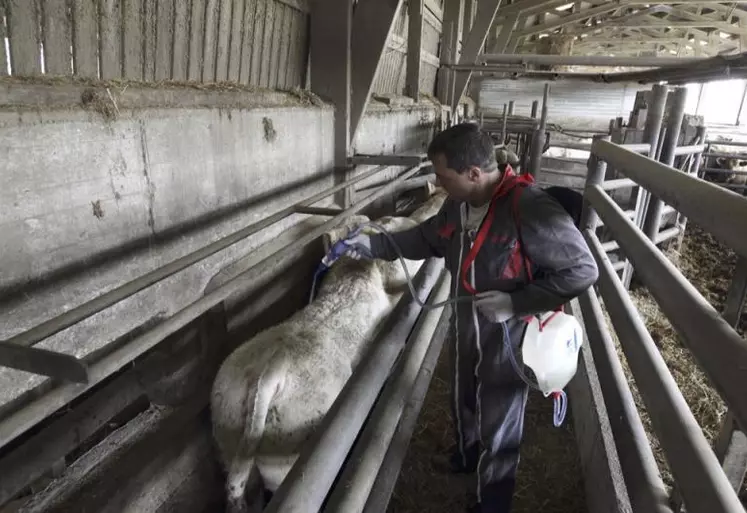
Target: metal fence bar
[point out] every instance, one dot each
(30, 414)
(386, 479)
(652, 220)
(721, 212)
(645, 487)
(726, 143)
(309, 480)
(691, 459)
(719, 350)
(689, 150)
(77, 314)
(357, 479)
(618, 183)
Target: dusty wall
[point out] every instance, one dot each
(94, 196)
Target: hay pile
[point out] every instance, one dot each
(709, 266)
(549, 477)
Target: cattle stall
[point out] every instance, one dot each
(724, 163)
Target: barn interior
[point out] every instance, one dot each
(168, 169)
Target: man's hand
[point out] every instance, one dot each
(359, 246)
(495, 306)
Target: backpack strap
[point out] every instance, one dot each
(517, 220)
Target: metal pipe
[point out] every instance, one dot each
(412, 183)
(503, 126)
(511, 108)
(318, 211)
(79, 313)
(354, 485)
(30, 414)
(307, 484)
(618, 183)
(691, 459)
(652, 221)
(689, 150)
(726, 143)
(535, 106)
(386, 479)
(693, 171)
(538, 139)
(662, 236)
(721, 212)
(646, 489)
(596, 168)
(717, 348)
(583, 60)
(651, 130)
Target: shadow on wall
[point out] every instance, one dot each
(15, 293)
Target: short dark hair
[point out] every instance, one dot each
(464, 145)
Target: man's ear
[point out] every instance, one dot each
(473, 173)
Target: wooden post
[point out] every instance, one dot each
(414, 47)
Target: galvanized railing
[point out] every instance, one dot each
(718, 349)
(78, 377)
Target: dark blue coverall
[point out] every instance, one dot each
(543, 266)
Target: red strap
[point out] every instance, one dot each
(508, 182)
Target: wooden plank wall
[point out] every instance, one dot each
(253, 42)
(392, 70)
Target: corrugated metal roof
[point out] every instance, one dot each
(597, 103)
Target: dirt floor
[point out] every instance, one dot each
(549, 474)
(549, 477)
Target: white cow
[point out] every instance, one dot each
(273, 391)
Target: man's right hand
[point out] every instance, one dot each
(359, 247)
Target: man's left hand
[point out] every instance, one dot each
(495, 306)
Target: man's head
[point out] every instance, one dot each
(463, 158)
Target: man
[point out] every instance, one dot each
(513, 272)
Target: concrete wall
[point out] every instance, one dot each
(91, 201)
(97, 191)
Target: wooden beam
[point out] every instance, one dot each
(414, 47)
(373, 21)
(486, 10)
(330, 73)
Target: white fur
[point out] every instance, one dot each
(272, 392)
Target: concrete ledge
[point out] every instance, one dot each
(605, 488)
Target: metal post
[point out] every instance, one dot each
(652, 221)
(511, 108)
(535, 158)
(654, 121)
(595, 172)
(307, 484)
(503, 126)
(694, 170)
(535, 106)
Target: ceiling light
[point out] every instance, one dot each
(724, 35)
(541, 36)
(564, 7)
